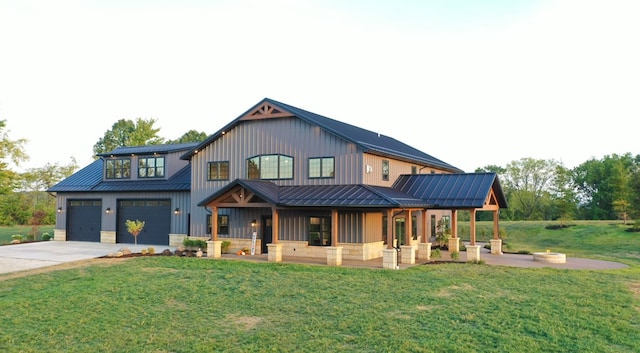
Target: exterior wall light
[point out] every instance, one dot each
(176, 211)
(59, 209)
(108, 210)
(253, 223)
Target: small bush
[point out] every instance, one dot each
(18, 237)
(46, 236)
(455, 255)
(435, 254)
(226, 244)
(194, 243)
(151, 250)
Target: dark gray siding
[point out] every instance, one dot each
(288, 136)
(179, 223)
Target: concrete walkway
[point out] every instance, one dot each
(28, 256)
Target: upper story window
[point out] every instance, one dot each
(414, 169)
(273, 166)
(218, 171)
(119, 168)
(323, 167)
(151, 167)
(385, 170)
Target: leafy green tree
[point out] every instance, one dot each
(563, 195)
(601, 182)
(10, 150)
(128, 133)
(189, 136)
(529, 182)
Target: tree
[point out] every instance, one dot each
(10, 150)
(529, 181)
(128, 133)
(134, 227)
(601, 182)
(189, 136)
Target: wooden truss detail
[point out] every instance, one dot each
(266, 111)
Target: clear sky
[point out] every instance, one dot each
(473, 83)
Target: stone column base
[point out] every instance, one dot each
(424, 251)
(454, 245)
(473, 253)
(390, 259)
(407, 254)
(496, 246)
(214, 249)
(274, 252)
(334, 256)
(60, 234)
(108, 237)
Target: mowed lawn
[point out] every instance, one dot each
(171, 304)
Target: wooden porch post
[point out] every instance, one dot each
(424, 226)
(472, 226)
(334, 227)
(496, 228)
(408, 234)
(454, 223)
(389, 229)
(214, 223)
(274, 225)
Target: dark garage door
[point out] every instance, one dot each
(157, 217)
(83, 220)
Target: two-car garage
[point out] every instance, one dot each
(84, 220)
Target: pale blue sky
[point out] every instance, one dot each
(470, 82)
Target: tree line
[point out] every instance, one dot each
(598, 189)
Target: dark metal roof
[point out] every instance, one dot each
(83, 180)
(90, 179)
(369, 141)
(150, 149)
(322, 195)
(452, 190)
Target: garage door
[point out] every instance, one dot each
(83, 220)
(157, 217)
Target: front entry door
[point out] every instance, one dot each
(266, 231)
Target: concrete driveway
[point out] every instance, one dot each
(29, 256)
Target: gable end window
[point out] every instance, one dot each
(218, 171)
(119, 168)
(271, 167)
(385, 170)
(323, 167)
(151, 167)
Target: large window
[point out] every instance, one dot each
(321, 167)
(320, 231)
(151, 167)
(223, 224)
(272, 166)
(119, 168)
(218, 171)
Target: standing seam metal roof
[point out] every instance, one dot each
(369, 141)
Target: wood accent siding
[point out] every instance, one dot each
(372, 169)
(372, 227)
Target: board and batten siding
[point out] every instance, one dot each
(286, 136)
(373, 164)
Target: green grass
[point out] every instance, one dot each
(25, 231)
(170, 304)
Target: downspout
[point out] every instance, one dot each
(397, 247)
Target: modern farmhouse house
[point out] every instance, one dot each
(280, 181)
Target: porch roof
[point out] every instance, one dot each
(352, 196)
(444, 191)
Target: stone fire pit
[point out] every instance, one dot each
(550, 257)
